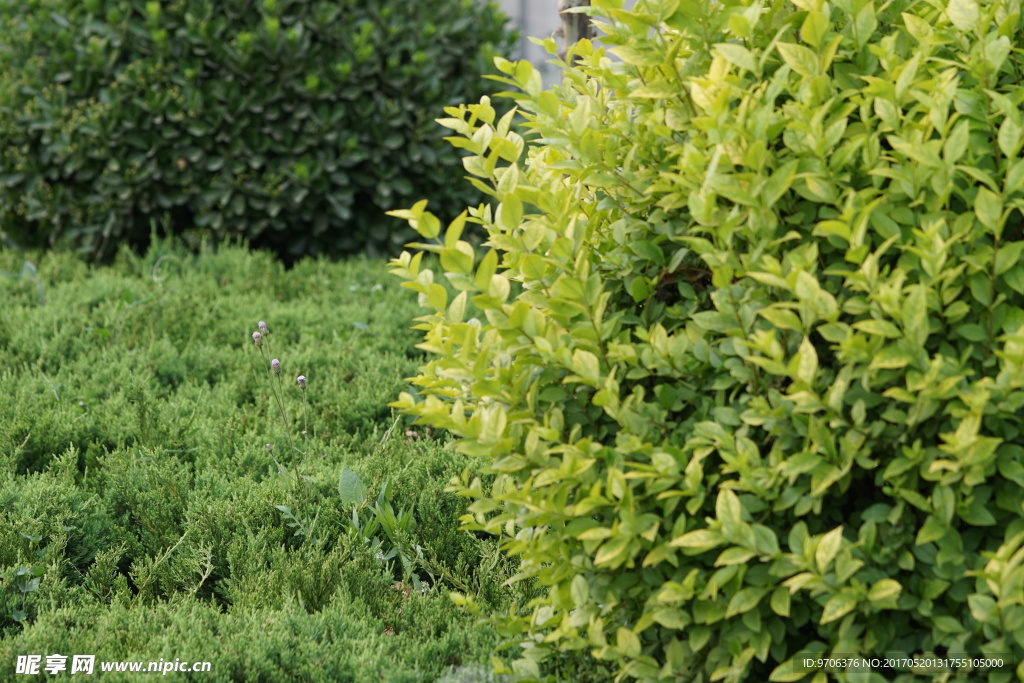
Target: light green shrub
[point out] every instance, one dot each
(744, 349)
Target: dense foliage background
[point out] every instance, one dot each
(294, 124)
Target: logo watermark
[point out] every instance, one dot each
(33, 665)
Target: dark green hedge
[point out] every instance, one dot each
(292, 123)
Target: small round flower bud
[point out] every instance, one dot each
(270, 447)
(263, 327)
(301, 379)
(275, 365)
(258, 338)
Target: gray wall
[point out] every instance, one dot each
(537, 18)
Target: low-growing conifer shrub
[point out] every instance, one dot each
(169, 489)
(294, 124)
(745, 348)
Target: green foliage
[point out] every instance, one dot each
(142, 516)
(101, 362)
(746, 351)
(340, 642)
(288, 122)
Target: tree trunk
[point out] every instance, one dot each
(575, 26)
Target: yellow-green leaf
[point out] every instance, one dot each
(510, 213)
(828, 548)
(932, 530)
(585, 364)
(627, 642)
(782, 318)
(865, 23)
(964, 14)
(437, 297)
(988, 206)
(737, 55)
(457, 309)
(892, 357)
(671, 617)
(744, 601)
(428, 225)
(779, 601)
(884, 589)
(488, 266)
(579, 590)
(704, 539)
(454, 231)
(729, 511)
(956, 143)
(915, 315)
(734, 555)
(455, 261)
(814, 27)
(799, 58)
(788, 671)
(779, 182)
(610, 551)
(595, 534)
(806, 362)
(879, 328)
(838, 606)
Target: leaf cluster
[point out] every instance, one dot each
(745, 347)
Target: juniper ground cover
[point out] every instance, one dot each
(153, 496)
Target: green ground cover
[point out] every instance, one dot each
(142, 510)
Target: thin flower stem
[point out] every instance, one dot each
(273, 369)
(279, 394)
(280, 402)
(276, 391)
(305, 422)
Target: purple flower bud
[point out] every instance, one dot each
(301, 379)
(270, 447)
(258, 338)
(275, 365)
(263, 327)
